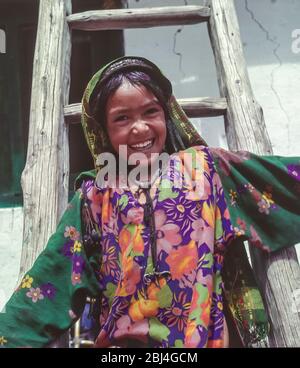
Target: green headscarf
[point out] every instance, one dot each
(95, 134)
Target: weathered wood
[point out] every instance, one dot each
(203, 107)
(45, 177)
(95, 20)
(193, 107)
(278, 274)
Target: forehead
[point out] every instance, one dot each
(130, 96)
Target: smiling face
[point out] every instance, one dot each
(135, 118)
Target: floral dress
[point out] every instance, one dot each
(182, 304)
(174, 300)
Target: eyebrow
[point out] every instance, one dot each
(122, 110)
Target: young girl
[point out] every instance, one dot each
(149, 251)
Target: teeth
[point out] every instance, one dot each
(142, 145)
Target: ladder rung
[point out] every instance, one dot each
(95, 20)
(203, 107)
(193, 107)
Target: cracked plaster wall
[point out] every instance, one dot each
(185, 56)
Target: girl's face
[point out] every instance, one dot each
(135, 118)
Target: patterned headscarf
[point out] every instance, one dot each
(95, 134)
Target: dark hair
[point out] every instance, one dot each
(110, 86)
(135, 77)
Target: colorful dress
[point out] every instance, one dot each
(181, 303)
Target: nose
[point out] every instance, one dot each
(140, 127)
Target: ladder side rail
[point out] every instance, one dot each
(46, 174)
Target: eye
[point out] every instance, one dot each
(152, 110)
(121, 118)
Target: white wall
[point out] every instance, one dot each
(11, 228)
(274, 70)
(266, 28)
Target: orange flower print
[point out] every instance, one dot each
(131, 277)
(192, 336)
(143, 308)
(106, 208)
(135, 312)
(205, 313)
(201, 303)
(153, 288)
(124, 239)
(138, 242)
(182, 260)
(131, 235)
(194, 301)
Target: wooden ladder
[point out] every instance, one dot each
(46, 174)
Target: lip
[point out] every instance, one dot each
(141, 142)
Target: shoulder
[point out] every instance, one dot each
(83, 177)
(197, 157)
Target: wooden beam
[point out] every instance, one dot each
(203, 107)
(96, 20)
(193, 107)
(46, 174)
(278, 274)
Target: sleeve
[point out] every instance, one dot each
(224, 232)
(263, 197)
(52, 295)
(243, 303)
